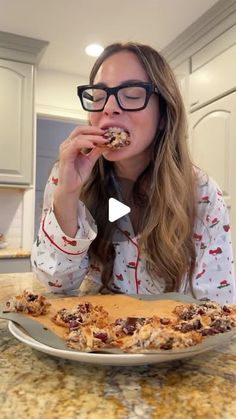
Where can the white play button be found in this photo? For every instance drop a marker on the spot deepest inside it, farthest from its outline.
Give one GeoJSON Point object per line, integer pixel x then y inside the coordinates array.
{"type": "Point", "coordinates": [116, 210]}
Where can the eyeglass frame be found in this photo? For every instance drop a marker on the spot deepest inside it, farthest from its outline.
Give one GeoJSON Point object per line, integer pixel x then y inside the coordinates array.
{"type": "Point", "coordinates": [148, 86]}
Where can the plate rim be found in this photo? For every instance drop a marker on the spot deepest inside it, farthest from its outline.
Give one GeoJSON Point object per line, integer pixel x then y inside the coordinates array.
{"type": "Point", "coordinates": [102, 358]}
{"type": "Point", "coordinates": [127, 359]}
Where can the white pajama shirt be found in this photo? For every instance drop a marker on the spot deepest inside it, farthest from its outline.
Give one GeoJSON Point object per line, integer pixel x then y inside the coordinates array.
{"type": "Point", "coordinates": [63, 265]}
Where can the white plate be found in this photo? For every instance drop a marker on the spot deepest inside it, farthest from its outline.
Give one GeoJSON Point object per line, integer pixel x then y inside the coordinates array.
{"type": "Point", "coordinates": [109, 359]}
{"type": "Point", "coordinates": [128, 359]}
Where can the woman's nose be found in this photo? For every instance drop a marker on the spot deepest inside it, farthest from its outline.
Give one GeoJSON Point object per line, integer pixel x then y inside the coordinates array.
{"type": "Point", "coordinates": [112, 106]}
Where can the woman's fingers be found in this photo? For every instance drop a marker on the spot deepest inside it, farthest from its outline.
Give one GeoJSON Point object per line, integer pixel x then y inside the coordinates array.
{"type": "Point", "coordinates": [83, 141]}
{"type": "Point", "coordinates": [94, 155]}
{"type": "Point", "coordinates": [95, 140]}
{"type": "Point", "coordinates": [86, 130]}
{"type": "Point", "coordinates": [78, 154]}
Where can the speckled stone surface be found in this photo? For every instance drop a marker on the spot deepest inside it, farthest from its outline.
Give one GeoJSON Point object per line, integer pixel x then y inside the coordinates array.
{"type": "Point", "coordinates": [38, 386]}
{"type": "Point", "coordinates": [14, 253]}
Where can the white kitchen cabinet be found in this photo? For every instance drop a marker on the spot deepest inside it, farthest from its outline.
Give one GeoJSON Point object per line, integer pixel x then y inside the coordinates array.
{"type": "Point", "coordinates": [16, 122]}
{"type": "Point", "coordinates": [213, 147]}
{"type": "Point", "coordinates": [182, 76]}
{"type": "Point", "coordinates": [213, 80]}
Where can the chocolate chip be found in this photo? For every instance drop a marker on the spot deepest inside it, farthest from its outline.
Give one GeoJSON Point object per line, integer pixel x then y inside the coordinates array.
{"type": "Point", "coordinates": [164, 321]}
{"type": "Point", "coordinates": [132, 324]}
{"type": "Point", "coordinates": [226, 309]}
{"type": "Point", "coordinates": [168, 344]}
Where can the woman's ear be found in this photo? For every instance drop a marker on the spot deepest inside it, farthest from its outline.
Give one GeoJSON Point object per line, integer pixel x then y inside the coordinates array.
{"type": "Point", "coordinates": [161, 123]}
{"type": "Point", "coordinates": [163, 115]}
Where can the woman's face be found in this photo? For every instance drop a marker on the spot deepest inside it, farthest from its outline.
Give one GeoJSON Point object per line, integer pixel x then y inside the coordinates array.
{"type": "Point", "coordinates": [123, 67]}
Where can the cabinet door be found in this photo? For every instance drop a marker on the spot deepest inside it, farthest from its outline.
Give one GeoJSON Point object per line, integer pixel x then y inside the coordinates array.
{"type": "Point", "coordinates": [16, 122]}
{"type": "Point", "coordinates": [213, 148]}
{"type": "Point", "coordinates": [182, 76]}
{"type": "Point", "coordinates": [214, 79]}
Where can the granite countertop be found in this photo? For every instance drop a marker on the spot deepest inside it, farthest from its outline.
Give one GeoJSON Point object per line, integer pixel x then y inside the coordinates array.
{"type": "Point", "coordinates": [14, 253]}
{"type": "Point", "coordinates": [36, 385]}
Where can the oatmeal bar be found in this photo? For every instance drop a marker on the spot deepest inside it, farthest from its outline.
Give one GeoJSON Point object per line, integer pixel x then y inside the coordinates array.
{"type": "Point", "coordinates": [81, 315]}
{"type": "Point", "coordinates": [28, 303]}
{"type": "Point", "coordinates": [117, 137]}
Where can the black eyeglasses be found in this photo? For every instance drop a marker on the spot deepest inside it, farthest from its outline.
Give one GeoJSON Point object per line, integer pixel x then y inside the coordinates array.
{"type": "Point", "coordinates": [129, 96]}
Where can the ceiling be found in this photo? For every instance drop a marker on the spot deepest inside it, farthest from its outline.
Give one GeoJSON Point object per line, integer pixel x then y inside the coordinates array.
{"type": "Point", "coordinates": [69, 25]}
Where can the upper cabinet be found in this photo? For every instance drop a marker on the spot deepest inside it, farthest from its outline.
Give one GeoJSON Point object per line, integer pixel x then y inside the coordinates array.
{"type": "Point", "coordinates": [16, 122]}
{"type": "Point", "coordinates": [18, 58]}
{"type": "Point", "coordinates": [204, 56]}
{"type": "Point", "coordinates": [213, 70]}
{"type": "Point", "coordinates": [182, 76]}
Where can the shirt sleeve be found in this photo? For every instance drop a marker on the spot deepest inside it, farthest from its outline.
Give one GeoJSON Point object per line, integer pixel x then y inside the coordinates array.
{"type": "Point", "coordinates": [61, 262]}
{"type": "Point", "coordinates": [214, 276]}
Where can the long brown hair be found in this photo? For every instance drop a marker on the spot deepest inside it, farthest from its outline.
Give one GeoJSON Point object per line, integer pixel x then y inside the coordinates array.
{"type": "Point", "coordinates": [169, 209]}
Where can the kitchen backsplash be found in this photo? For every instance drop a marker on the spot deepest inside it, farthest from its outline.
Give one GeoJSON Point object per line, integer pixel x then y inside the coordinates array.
{"type": "Point", "coordinates": [11, 216]}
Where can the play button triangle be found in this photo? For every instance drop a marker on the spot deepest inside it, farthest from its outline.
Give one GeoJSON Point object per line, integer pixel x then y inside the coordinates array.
{"type": "Point", "coordinates": [116, 209]}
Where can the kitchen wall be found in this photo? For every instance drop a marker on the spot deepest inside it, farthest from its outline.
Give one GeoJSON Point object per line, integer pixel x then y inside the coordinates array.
{"type": "Point", "coordinates": [11, 204]}
{"type": "Point", "coordinates": [55, 94]}
{"type": "Point", "coordinates": [55, 97]}
{"type": "Point", "coordinates": [50, 134]}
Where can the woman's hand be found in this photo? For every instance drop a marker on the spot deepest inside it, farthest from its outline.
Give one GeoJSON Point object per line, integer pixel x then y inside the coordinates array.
{"type": "Point", "coordinates": [75, 167]}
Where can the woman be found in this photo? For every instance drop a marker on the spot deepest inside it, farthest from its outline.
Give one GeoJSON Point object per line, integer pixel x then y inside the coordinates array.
{"type": "Point", "coordinates": [176, 237]}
